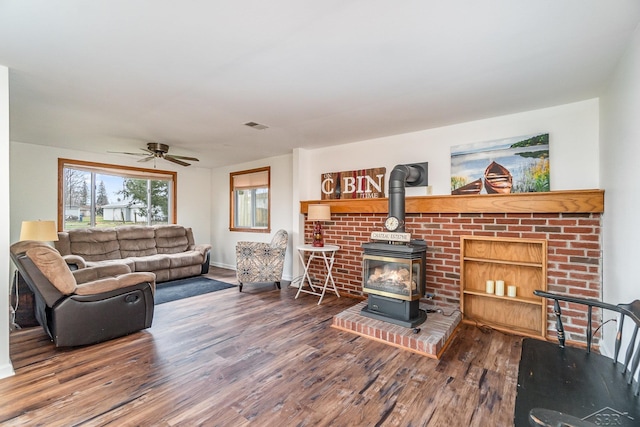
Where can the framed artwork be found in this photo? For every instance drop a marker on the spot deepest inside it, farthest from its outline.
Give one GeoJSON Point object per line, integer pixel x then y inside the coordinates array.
{"type": "Point", "coordinates": [511, 165]}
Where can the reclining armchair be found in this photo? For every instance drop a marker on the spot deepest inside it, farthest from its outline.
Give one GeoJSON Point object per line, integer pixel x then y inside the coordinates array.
{"type": "Point", "coordinates": [88, 305]}
{"type": "Point", "coordinates": [261, 262]}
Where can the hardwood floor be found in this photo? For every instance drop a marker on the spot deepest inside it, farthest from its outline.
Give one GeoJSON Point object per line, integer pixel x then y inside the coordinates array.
{"type": "Point", "coordinates": [261, 358]}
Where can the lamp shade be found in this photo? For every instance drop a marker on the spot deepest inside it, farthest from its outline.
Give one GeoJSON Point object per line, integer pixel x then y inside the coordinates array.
{"type": "Point", "coordinates": [319, 213]}
{"type": "Point", "coordinates": [42, 231]}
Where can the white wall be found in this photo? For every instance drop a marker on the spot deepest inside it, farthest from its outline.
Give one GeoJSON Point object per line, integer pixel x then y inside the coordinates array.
{"type": "Point", "coordinates": [39, 164]}
{"type": "Point", "coordinates": [224, 241]}
{"type": "Point", "coordinates": [6, 369]}
{"type": "Point", "coordinates": [573, 146]}
{"type": "Point", "coordinates": [620, 151]}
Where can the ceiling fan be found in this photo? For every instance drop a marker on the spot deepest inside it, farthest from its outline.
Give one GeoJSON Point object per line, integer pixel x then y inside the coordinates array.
{"type": "Point", "coordinates": [156, 150]}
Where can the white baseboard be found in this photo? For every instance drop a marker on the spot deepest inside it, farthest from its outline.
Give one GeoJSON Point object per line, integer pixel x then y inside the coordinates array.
{"type": "Point", "coordinates": [6, 371]}
{"type": "Point", "coordinates": [221, 265]}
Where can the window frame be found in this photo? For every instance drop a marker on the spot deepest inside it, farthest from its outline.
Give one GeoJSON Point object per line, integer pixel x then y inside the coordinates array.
{"type": "Point", "coordinates": [232, 201]}
{"type": "Point", "coordinates": [111, 169]}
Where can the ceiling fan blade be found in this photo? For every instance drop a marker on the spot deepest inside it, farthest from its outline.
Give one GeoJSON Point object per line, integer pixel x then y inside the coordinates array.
{"type": "Point", "coordinates": [154, 150]}
{"type": "Point", "coordinates": [131, 154]}
{"type": "Point", "coordinates": [174, 160]}
{"type": "Point", "coordinates": [181, 157]}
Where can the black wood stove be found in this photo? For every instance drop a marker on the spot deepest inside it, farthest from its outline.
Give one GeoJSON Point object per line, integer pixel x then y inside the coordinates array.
{"type": "Point", "coordinates": [394, 265]}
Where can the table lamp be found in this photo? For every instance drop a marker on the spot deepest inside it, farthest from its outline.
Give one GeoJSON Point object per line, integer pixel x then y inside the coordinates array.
{"type": "Point", "coordinates": [318, 213]}
{"type": "Point", "coordinates": [42, 231]}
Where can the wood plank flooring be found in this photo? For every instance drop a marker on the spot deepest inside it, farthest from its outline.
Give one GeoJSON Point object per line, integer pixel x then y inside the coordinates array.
{"type": "Point", "coordinates": [261, 358]}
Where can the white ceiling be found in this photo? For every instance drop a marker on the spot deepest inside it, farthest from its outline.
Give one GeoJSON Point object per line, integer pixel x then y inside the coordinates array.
{"type": "Point", "coordinates": [112, 75]}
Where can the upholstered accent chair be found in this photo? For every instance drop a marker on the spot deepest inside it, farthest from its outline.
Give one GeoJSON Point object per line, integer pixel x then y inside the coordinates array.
{"type": "Point", "coordinates": [87, 305]}
{"type": "Point", "coordinates": [258, 262]}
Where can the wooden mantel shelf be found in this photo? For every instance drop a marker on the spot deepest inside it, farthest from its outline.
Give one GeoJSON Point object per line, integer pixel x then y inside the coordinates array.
{"type": "Point", "coordinates": [575, 201]}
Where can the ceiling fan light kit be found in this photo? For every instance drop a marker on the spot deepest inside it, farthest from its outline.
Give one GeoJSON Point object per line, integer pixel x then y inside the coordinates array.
{"type": "Point", "coordinates": [156, 150]}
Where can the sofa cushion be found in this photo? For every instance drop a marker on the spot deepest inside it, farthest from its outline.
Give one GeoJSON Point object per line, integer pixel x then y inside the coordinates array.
{"type": "Point", "coordinates": [150, 263]}
{"type": "Point", "coordinates": [185, 258]}
{"type": "Point", "coordinates": [127, 262]}
{"type": "Point", "coordinates": [171, 239]}
{"type": "Point", "coordinates": [89, 274]}
{"type": "Point", "coordinates": [95, 244]}
{"type": "Point", "coordinates": [136, 240]}
{"type": "Point", "coordinates": [55, 269]}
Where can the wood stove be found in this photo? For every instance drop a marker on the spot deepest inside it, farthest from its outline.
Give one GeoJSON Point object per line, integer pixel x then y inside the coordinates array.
{"type": "Point", "coordinates": [393, 265]}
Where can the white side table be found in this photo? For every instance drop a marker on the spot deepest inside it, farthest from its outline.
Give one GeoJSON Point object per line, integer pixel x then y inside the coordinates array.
{"type": "Point", "coordinates": [328, 255]}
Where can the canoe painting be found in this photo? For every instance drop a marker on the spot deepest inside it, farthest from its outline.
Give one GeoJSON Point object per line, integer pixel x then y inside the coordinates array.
{"type": "Point", "coordinates": [497, 179]}
{"type": "Point", "coordinates": [517, 164]}
{"type": "Point", "coordinates": [472, 188]}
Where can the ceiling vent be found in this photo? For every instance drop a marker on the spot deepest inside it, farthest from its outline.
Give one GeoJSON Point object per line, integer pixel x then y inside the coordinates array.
{"type": "Point", "coordinates": [257, 126]}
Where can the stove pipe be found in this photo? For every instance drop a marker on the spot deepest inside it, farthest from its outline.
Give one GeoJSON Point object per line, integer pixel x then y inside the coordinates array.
{"type": "Point", "coordinates": [404, 175]}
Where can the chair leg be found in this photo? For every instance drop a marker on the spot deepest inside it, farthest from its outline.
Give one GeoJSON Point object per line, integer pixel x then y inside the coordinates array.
{"type": "Point", "coordinates": [278, 285]}
{"type": "Point", "coordinates": [240, 287]}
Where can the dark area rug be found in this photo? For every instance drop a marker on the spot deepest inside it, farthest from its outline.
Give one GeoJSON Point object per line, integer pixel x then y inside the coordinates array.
{"type": "Point", "coordinates": [185, 288]}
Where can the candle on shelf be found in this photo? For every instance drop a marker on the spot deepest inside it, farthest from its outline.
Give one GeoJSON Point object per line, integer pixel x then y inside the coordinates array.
{"type": "Point", "coordinates": [511, 291]}
{"type": "Point", "coordinates": [489, 286]}
{"type": "Point", "coordinates": [500, 288]}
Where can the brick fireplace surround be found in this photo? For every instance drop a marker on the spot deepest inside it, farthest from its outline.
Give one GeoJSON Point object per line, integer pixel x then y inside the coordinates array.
{"type": "Point", "coordinates": [570, 221]}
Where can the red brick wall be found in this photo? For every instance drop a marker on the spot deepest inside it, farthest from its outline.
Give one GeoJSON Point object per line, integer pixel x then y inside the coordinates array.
{"type": "Point", "coordinates": [574, 258]}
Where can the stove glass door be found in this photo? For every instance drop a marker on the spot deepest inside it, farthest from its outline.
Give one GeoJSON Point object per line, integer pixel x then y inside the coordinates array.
{"type": "Point", "coordinates": [392, 277]}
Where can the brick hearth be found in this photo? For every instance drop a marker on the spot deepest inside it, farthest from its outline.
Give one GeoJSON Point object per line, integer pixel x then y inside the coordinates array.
{"type": "Point", "coordinates": [430, 340]}
{"type": "Point", "coordinates": [574, 259]}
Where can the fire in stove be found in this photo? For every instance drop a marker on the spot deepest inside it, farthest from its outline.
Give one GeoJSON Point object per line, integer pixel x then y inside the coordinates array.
{"type": "Point", "coordinates": [396, 280]}
{"type": "Point", "coordinates": [392, 277]}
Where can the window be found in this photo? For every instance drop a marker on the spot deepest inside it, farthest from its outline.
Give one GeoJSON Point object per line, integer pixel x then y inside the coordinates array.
{"type": "Point", "coordinates": [103, 195]}
{"type": "Point", "coordinates": [250, 200]}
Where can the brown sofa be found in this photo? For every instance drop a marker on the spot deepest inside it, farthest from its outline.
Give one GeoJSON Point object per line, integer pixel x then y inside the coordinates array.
{"type": "Point", "coordinates": [169, 251]}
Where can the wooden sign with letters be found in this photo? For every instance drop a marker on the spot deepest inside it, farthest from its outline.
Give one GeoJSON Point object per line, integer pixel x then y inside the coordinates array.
{"type": "Point", "coordinates": [356, 184]}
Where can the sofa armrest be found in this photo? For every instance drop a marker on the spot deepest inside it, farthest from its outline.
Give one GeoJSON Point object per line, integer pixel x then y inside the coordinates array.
{"type": "Point", "coordinates": [75, 262]}
{"type": "Point", "coordinates": [90, 274]}
{"type": "Point", "coordinates": [203, 248]}
{"type": "Point", "coordinates": [112, 283]}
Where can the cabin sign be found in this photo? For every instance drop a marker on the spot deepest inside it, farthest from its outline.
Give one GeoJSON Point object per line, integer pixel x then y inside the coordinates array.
{"type": "Point", "coordinates": [356, 184]}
